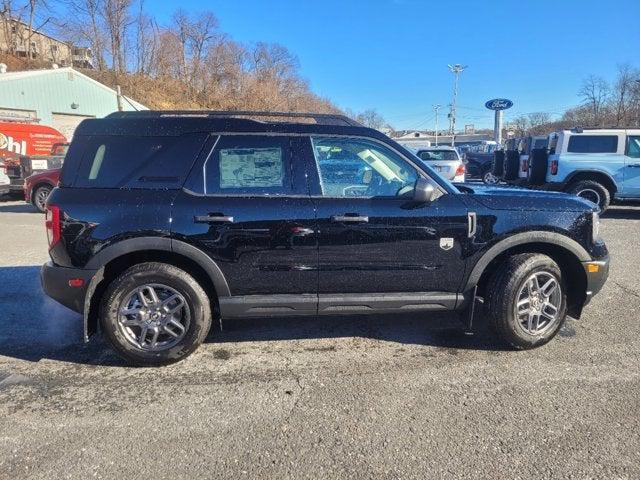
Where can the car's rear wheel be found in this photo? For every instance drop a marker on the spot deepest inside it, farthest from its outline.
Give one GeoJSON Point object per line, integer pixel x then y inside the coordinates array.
{"type": "Point", "coordinates": [40, 197]}
{"type": "Point", "coordinates": [593, 191]}
{"type": "Point", "coordinates": [155, 314]}
{"type": "Point", "coordinates": [526, 303]}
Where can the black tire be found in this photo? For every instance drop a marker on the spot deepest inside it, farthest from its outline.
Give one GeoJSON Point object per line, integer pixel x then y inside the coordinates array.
{"type": "Point", "coordinates": [593, 191]}
{"type": "Point", "coordinates": [498, 164]}
{"type": "Point", "coordinates": [538, 163]}
{"type": "Point", "coordinates": [502, 297]}
{"type": "Point", "coordinates": [511, 165]}
{"type": "Point", "coordinates": [196, 302]}
{"type": "Point", "coordinates": [39, 197]}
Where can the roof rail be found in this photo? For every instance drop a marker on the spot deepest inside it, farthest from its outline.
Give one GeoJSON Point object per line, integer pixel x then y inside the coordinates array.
{"type": "Point", "coordinates": [319, 118]}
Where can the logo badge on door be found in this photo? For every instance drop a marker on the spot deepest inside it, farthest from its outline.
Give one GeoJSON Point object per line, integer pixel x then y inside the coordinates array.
{"type": "Point", "coordinates": [446, 243]}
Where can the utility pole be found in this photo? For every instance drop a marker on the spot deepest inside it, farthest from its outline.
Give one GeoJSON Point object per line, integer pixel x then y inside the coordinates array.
{"type": "Point", "coordinates": [436, 108]}
{"type": "Point", "coordinates": [456, 69]}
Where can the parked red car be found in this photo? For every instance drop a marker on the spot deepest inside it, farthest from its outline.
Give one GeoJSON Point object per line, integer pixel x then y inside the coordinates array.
{"type": "Point", "coordinates": [38, 186]}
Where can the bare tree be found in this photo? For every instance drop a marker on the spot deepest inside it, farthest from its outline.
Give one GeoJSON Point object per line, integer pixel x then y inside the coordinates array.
{"type": "Point", "coordinates": [622, 95]}
{"type": "Point", "coordinates": [371, 118]}
{"type": "Point", "coordinates": [116, 14]}
{"type": "Point", "coordinates": [595, 93]}
{"type": "Point", "coordinates": [85, 25]}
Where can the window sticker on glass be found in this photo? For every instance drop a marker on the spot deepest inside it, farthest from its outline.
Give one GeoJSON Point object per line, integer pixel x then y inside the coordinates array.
{"type": "Point", "coordinates": [251, 167]}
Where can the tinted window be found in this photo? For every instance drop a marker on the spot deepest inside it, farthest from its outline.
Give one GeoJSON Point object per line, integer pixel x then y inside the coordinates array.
{"type": "Point", "coordinates": [633, 148]}
{"type": "Point", "coordinates": [351, 167]}
{"type": "Point", "coordinates": [437, 155]}
{"type": "Point", "coordinates": [249, 165]}
{"type": "Point", "coordinates": [593, 144]}
{"type": "Point", "coordinates": [138, 162]}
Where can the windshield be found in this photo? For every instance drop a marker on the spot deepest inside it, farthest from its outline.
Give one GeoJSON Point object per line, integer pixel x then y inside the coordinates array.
{"type": "Point", "coordinates": [429, 155]}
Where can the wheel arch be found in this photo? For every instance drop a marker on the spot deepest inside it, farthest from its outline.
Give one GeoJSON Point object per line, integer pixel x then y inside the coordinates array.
{"type": "Point", "coordinates": [113, 260]}
{"type": "Point", "coordinates": [42, 183]}
{"type": "Point", "coordinates": [567, 253]}
{"type": "Point", "coordinates": [596, 175]}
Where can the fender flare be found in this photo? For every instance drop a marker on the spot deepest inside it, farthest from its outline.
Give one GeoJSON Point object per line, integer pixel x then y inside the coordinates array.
{"type": "Point", "coordinates": [166, 244]}
{"type": "Point", "coordinates": [571, 177]}
{"type": "Point", "coordinates": [549, 238]}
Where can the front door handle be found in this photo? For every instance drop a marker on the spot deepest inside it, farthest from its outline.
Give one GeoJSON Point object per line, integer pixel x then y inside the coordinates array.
{"type": "Point", "coordinates": [350, 219]}
{"type": "Point", "coordinates": [634, 165]}
{"type": "Point", "coordinates": [213, 218]}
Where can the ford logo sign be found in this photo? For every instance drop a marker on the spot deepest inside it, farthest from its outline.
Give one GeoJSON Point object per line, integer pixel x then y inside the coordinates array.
{"type": "Point", "coordinates": [499, 104]}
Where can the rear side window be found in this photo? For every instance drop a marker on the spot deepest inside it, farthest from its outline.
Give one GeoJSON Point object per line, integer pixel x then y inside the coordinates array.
{"type": "Point", "coordinates": [249, 164]}
{"type": "Point", "coordinates": [593, 144]}
{"type": "Point", "coordinates": [138, 162]}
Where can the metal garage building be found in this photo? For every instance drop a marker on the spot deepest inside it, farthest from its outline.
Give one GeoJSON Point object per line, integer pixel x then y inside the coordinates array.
{"type": "Point", "coordinates": [60, 98]}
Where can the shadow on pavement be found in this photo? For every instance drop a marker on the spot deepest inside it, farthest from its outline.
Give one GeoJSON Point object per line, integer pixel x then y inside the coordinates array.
{"type": "Point", "coordinates": [34, 327]}
{"type": "Point", "coordinates": [622, 213]}
{"type": "Point", "coordinates": [18, 208]}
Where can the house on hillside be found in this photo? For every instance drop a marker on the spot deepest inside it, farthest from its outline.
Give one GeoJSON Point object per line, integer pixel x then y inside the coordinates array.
{"type": "Point", "coordinates": [60, 98]}
{"type": "Point", "coordinates": [15, 40]}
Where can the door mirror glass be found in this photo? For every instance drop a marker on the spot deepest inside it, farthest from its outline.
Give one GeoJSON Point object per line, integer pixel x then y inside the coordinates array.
{"type": "Point", "coordinates": [425, 191]}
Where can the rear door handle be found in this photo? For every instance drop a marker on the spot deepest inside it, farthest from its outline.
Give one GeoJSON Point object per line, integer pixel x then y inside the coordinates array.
{"type": "Point", "coordinates": [213, 219]}
{"type": "Point", "coordinates": [350, 219]}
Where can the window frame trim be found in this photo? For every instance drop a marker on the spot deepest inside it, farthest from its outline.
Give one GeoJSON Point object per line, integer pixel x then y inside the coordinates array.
{"type": "Point", "coordinates": [309, 136]}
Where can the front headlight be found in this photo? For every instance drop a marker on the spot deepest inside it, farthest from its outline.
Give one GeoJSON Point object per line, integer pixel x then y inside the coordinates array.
{"type": "Point", "coordinates": [595, 227]}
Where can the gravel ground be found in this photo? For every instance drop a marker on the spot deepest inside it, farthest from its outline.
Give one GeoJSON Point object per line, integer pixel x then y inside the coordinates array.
{"type": "Point", "coordinates": [381, 397]}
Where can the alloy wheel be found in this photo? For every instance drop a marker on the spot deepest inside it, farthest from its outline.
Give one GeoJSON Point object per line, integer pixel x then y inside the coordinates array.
{"type": "Point", "coordinates": [538, 303]}
{"type": "Point", "coordinates": [153, 317]}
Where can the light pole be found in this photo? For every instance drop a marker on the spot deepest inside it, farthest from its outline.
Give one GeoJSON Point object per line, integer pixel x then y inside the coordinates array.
{"type": "Point", "coordinates": [436, 108]}
{"type": "Point", "coordinates": [456, 69]}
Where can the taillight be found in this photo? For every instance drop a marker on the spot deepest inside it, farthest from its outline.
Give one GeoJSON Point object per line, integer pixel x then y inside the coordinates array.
{"type": "Point", "coordinates": [52, 223]}
{"type": "Point", "coordinates": [554, 167]}
{"type": "Point", "coordinates": [460, 170]}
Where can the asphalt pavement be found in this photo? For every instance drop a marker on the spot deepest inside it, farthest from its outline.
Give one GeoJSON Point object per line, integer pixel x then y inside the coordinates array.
{"type": "Point", "coordinates": [404, 396]}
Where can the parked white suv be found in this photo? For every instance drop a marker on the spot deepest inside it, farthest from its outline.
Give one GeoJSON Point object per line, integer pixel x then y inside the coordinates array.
{"type": "Point", "coordinates": [445, 160]}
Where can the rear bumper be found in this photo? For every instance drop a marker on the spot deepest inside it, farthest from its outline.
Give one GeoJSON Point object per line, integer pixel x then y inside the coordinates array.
{"type": "Point", "coordinates": [597, 272]}
{"type": "Point", "coordinates": [55, 283]}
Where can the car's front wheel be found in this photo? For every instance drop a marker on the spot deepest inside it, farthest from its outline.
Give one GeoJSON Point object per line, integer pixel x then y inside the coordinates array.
{"type": "Point", "coordinates": [40, 197]}
{"type": "Point", "coordinates": [155, 314]}
{"type": "Point", "coordinates": [526, 302]}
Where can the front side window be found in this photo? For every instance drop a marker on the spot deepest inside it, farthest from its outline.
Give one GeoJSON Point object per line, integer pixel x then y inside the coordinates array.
{"type": "Point", "coordinates": [248, 164]}
{"type": "Point", "coordinates": [633, 148]}
{"type": "Point", "coordinates": [351, 167]}
{"type": "Point", "coordinates": [593, 144]}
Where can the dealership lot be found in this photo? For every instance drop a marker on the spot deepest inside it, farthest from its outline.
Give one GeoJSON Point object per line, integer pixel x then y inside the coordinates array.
{"type": "Point", "coordinates": [383, 397]}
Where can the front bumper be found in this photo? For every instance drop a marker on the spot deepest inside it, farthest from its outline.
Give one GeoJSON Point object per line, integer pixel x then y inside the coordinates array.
{"type": "Point", "coordinates": [597, 272]}
{"type": "Point", "coordinates": [55, 283]}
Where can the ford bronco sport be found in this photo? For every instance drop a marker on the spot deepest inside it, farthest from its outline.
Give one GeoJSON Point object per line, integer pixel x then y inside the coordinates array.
{"type": "Point", "coordinates": [165, 221]}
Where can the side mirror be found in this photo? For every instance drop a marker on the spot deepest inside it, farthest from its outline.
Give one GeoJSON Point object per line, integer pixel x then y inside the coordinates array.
{"type": "Point", "coordinates": [424, 191]}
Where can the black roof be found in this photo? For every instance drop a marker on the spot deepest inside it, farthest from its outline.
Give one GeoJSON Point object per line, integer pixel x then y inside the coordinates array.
{"type": "Point", "coordinates": [171, 123]}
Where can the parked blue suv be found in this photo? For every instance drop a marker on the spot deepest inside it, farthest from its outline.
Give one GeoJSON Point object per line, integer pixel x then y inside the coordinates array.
{"type": "Point", "coordinates": [598, 165]}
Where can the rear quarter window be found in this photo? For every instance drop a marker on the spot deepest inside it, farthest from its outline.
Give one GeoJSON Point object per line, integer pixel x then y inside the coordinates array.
{"type": "Point", "coordinates": [593, 144]}
{"type": "Point", "coordinates": [137, 161]}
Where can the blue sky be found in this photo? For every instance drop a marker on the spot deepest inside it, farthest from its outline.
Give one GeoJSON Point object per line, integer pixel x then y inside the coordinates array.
{"type": "Point", "coordinates": [392, 55]}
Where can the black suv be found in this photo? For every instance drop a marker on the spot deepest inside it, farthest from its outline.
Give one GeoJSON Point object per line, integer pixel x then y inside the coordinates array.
{"type": "Point", "coordinates": [164, 221]}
